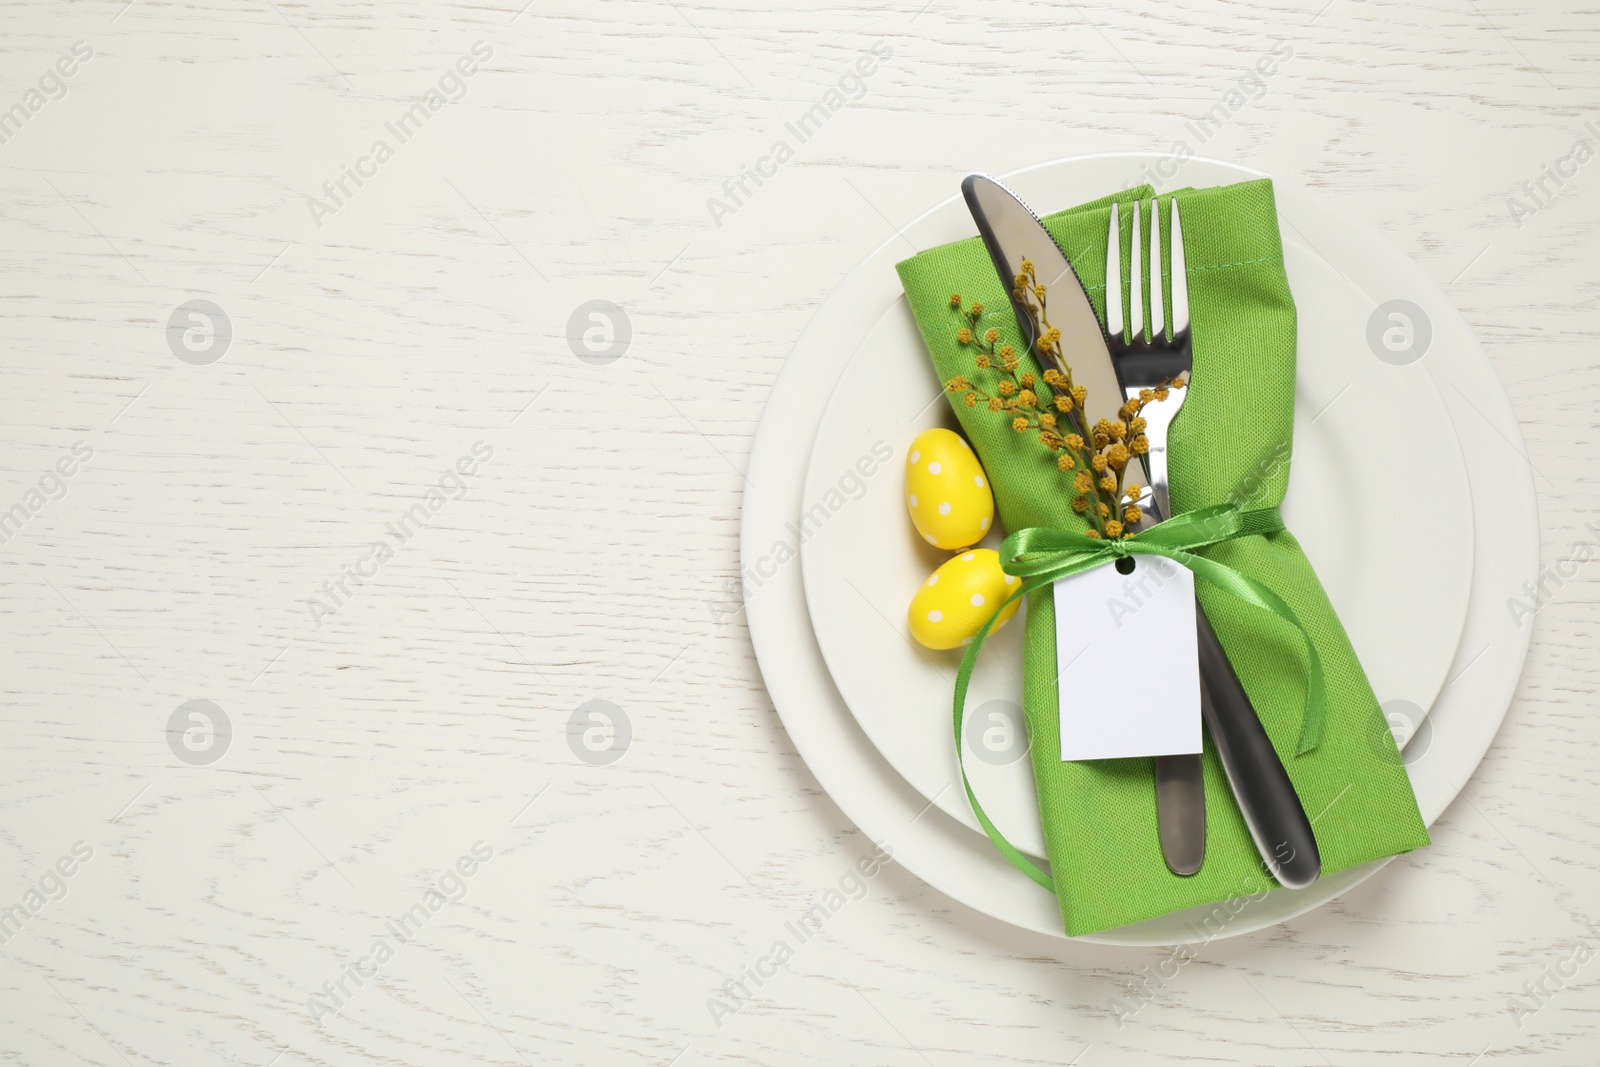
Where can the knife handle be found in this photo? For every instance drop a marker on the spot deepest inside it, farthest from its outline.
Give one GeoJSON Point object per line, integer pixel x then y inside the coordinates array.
{"type": "Point", "coordinates": [1266, 797]}
{"type": "Point", "coordinates": [1181, 812]}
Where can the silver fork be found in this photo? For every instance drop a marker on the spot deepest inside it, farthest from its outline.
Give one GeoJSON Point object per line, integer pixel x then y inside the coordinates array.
{"type": "Point", "coordinates": [1148, 354]}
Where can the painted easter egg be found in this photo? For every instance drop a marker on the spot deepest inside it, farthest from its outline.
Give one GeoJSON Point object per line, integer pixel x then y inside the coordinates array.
{"type": "Point", "coordinates": [958, 598]}
{"type": "Point", "coordinates": [947, 493]}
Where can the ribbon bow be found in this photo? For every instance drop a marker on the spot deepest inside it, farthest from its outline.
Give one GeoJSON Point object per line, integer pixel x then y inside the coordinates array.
{"type": "Point", "coordinates": [1041, 556]}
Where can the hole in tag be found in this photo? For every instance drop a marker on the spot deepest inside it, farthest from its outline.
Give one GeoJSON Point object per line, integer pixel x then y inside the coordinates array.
{"type": "Point", "coordinates": [1124, 565]}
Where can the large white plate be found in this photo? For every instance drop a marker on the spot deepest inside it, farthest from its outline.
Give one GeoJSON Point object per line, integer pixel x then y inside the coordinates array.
{"type": "Point", "coordinates": [942, 851]}
{"type": "Point", "coordinates": [1404, 615]}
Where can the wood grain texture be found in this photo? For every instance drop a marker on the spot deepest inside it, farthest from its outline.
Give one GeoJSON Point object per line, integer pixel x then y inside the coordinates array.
{"type": "Point", "coordinates": [429, 712]}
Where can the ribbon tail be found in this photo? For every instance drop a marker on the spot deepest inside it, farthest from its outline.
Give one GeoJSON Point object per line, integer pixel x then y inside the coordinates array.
{"type": "Point", "coordinates": [964, 678]}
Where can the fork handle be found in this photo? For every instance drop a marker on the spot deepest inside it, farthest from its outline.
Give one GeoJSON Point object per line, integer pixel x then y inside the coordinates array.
{"type": "Point", "coordinates": [1266, 796]}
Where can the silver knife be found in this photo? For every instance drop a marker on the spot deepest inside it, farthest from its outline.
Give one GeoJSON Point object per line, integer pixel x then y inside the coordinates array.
{"type": "Point", "coordinates": [1266, 797]}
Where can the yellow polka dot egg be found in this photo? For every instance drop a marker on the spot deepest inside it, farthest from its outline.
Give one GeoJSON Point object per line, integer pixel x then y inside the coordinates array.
{"type": "Point", "coordinates": [958, 598]}
{"type": "Point", "coordinates": [946, 491]}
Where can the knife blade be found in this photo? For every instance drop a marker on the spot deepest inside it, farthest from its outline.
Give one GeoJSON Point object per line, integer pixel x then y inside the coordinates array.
{"type": "Point", "coordinates": [1266, 797]}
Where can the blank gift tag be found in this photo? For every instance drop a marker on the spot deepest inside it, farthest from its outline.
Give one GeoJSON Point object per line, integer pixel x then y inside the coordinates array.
{"type": "Point", "coordinates": [1130, 672]}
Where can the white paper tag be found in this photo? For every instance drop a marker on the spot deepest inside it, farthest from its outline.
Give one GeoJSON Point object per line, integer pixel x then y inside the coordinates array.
{"type": "Point", "coordinates": [1130, 673]}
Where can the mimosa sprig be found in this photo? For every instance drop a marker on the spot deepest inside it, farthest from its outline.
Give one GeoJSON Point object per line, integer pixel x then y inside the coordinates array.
{"type": "Point", "coordinates": [1051, 408]}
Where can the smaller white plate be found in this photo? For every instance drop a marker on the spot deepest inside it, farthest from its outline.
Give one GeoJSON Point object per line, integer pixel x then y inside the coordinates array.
{"type": "Point", "coordinates": [1347, 507]}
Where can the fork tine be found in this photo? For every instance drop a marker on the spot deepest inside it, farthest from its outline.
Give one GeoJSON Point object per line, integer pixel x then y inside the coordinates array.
{"type": "Point", "coordinates": [1114, 276]}
{"type": "Point", "coordinates": [1136, 282]}
{"type": "Point", "coordinates": [1180, 277]}
{"type": "Point", "coordinates": [1157, 294]}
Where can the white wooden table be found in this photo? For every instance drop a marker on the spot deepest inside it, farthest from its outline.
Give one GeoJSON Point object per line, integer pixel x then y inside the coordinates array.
{"type": "Point", "coordinates": [253, 886]}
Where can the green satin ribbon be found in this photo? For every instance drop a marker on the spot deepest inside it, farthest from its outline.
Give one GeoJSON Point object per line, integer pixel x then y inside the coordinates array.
{"type": "Point", "coordinates": [1042, 556]}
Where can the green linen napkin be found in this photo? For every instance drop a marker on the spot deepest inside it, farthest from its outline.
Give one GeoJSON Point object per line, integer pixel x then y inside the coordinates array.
{"type": "Point", "coordinates": [1231, 445]}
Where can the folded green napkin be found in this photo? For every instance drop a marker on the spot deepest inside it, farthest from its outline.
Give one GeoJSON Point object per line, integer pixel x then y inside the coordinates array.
{"type": "Point", "coordinates": [1231, 445]}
